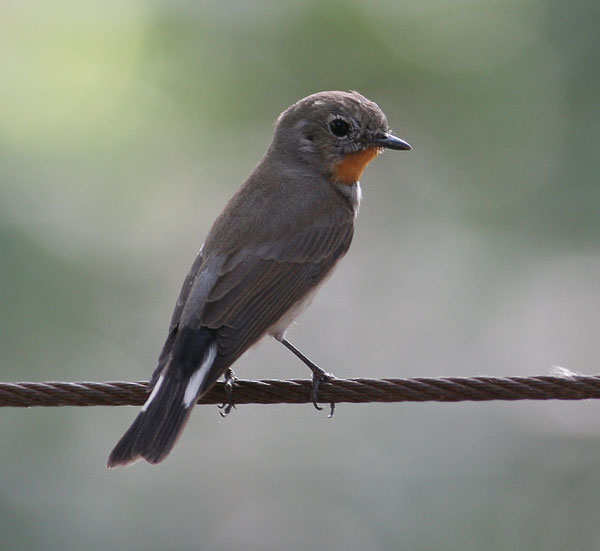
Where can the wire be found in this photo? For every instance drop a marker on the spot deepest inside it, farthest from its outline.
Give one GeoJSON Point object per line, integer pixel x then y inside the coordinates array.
{"type": "Point", "coordinates": [297, 391]}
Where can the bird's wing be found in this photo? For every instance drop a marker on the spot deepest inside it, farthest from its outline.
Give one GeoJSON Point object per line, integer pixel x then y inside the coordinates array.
{"type": "Point", "coordinates": [256, 287]}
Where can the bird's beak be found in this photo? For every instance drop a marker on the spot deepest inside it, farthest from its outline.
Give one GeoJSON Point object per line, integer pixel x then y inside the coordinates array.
{"type": "Point", "coordinates": [389, 141]}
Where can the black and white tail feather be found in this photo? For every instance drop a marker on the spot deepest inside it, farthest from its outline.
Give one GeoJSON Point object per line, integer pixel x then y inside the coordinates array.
{"type": "Point", "coordinates": [186, 375]}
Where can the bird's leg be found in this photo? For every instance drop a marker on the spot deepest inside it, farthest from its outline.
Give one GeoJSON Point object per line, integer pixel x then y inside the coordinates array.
{"type": "Point", "coordinates": [318, 377]}
{"type": "Point", "coordinates": [230, 379]}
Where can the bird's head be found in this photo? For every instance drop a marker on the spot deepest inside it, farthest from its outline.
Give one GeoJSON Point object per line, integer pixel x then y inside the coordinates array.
{"type": "Point", "coordinates": [336, 133]}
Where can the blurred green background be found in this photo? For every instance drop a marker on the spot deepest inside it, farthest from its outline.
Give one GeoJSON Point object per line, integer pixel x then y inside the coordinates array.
{"type": "Point", "coordinates": [126, 126]}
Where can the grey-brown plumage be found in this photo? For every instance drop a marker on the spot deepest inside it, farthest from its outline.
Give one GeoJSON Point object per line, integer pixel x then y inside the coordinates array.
{"type": "Point", "coordinates": [276, 240]}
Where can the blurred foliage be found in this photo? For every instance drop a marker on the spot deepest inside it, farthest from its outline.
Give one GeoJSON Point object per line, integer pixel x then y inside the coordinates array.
{"type": "Point", "coordinates": [124, 128]}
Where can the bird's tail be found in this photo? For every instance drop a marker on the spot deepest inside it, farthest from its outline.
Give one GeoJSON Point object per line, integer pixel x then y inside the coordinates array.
{"type": "Point", "coordinates": [160, 422]}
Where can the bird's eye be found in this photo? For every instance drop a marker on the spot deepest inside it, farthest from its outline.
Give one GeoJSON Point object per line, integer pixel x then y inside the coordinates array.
{"type": "Point", "coordinates": [339, 127]}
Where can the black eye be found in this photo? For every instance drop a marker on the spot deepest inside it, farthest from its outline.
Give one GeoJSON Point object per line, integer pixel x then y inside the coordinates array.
{"type": "Point", "coordinates": [339, 127]}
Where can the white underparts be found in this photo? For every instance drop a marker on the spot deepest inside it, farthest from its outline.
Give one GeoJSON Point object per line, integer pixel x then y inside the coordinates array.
{"type": "Point", "coordinates": [196, 380]}
{"type": "Point", "coordinates": [153, 393]}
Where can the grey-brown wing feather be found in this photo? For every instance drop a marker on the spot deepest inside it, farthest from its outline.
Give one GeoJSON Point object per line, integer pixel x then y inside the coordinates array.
{"type": "Point", "coordinates": [254, 293]}
{"type": "Point", "coordinates": [253, 290]}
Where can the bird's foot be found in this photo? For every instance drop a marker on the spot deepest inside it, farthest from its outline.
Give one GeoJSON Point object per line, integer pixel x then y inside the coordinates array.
{"type": "Point", "coordinates": [230, 380]}
{"type": "Point", "coordinates": [320, 376]}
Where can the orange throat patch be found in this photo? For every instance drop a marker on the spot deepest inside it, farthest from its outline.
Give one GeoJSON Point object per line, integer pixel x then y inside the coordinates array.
{"type": "Point", "coordinates": [351, 168]}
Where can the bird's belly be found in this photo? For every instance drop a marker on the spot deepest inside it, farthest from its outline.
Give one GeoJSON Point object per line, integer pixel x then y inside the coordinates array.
{"type": "Point", "coordinates": [278, 329]}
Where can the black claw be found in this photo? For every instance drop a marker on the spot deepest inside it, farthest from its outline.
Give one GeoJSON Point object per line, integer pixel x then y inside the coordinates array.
{"type": "Point", "coordinates": [230, 380]}
{"type": "Point", "coordinates": [225, 409]}
{"type": "Point", "coordinates": [314, 390]}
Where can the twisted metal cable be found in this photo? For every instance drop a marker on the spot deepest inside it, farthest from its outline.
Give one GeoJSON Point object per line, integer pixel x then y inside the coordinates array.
{"type": "Point", "coordinates": [297, 391]}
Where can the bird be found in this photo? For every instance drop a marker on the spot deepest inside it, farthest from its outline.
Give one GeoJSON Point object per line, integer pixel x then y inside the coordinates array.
{"type": "Point", "coordinates": [275, 243]}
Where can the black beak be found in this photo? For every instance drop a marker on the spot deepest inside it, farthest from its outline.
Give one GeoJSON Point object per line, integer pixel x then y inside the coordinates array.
{"type": "Point", "coordinates": [389, 141]}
